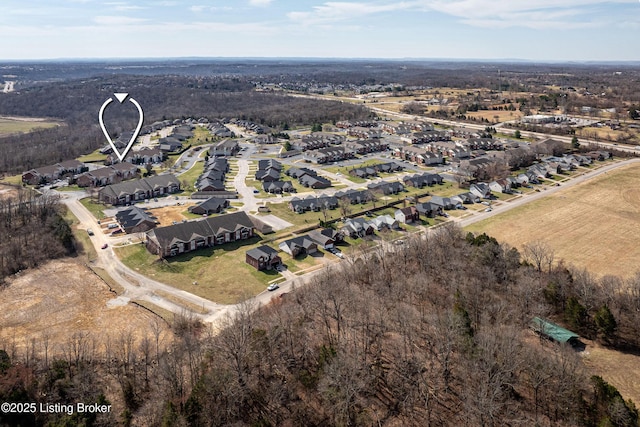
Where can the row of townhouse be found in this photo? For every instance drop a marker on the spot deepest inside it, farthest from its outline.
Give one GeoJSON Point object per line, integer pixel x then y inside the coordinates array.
{"type": "Point", "coordinates": [348, 124]}
{"type": "Point", "coordinates": [486, 144]}
{"type": "Point", "coordinates": [213, 175]}
{"type": "Point", "coordinates": [139, 189]}
{"type": "Point", "coordinates": [174, 141]}
{"type": "Point", "coordinates": [367, 146]}
{"type": "Point", "coordinates": [108, 175]}
{"type": "Point", "coordinates": [429, 136]}
{"type": "Point", "coordinates": [418, 155]}
{"type": "Point", "coordinates": [423, 180]}
{"type": "Point", "coordinates": [313, 203]}
{"type": "Point", "coordinates": [139, 157]}
{"type": "Point", "coordinates": [373, 170]}
{"type": "Point", "coordinates": [189, 236]}
{"type": "Point", "coordinates": [328, 155]}
{"type": "Point", "coordinates": [308, 178]}
{"type": "Point", "coordinates": [226, 148]}
{"type": "Point", "coordinates": [48, 174]}
{"type": "Point", "coordinates": [364, 133]}
{"type": "Point", "coordinates": [251, 126]}
{"type": "Point", "coordinates": [316, 141]}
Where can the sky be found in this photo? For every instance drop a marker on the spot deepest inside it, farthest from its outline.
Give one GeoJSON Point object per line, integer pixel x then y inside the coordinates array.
{"type": "Point", "coordinates": [538, 30]}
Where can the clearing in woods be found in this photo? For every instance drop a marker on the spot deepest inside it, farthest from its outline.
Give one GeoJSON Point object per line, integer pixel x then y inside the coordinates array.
{"type": "Point", "coordinates": [622, 370]}
{"type": "Point", "coordinates": [63, 298]}
{"type": "Point", "coordinates": [13, 125]}
{"type": "Point", "coordinates": [595, 225]}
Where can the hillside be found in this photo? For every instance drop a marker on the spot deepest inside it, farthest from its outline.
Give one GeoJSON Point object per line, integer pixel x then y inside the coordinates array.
{"type": "Point", "coordinates": [434, 333]}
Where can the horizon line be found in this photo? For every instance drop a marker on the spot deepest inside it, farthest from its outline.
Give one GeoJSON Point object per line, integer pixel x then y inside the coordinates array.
{"type": "Point", "coordinates": [313, 58]}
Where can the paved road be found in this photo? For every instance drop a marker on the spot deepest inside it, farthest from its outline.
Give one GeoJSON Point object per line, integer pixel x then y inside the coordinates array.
{"type": "Point", "coordinates": [137, 286]}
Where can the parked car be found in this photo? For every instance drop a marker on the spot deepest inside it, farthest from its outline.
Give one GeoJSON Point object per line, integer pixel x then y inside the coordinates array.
{"type": "Point", "coordinates": [272, 287]}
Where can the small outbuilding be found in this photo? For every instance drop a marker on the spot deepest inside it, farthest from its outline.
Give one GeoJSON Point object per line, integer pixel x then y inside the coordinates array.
{"type": "Point", "coordinates": [554, 332]}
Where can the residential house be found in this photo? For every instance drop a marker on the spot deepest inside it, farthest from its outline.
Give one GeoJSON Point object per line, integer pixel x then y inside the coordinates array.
{"type": "Point", "coordinates": [108, 175]}
{"type": "Point", "coordinates": [429, 209]}
{"type": "Point", "coordinates": [313, 203]}
{"type": "Point", "coordinates": [210, 206]}
{"type": "Point", "coordinates": [299, 246]}
{"type": "Point", "coordinates": [268, 175]}
{"type": "Point", "coordinates": [206, 184]}
{"type": "Point", "coordinates": [407, 215]}
{"type": "Point", "coordinates": [386, 188]}
{"type": "Point", "coordinates": [48, 174]}
{"type": "Point", "coordinates": [422, 180]}
{"type": "Point", "coordinates": [263, 258]}
{"type": "Point", "coordinates": [170, 144]}
{"type": "Point", "coordinates": [354, 196]}
{"type": "Point", "coordinates": [500, 186]}
{"type": "Point", "coordinates": [299, 172]}
{"type": "Point", "coordinates": [139, 189]}
{"type": "Point", "coordinates": [327, 155]}
{"type": "Point", "coordinates": [326, 237]}
{"type": "Point", "coordinates": [357, 227]}
{"type": "Point", "coordinates": [445, 203]}
{"type": "Point", "coordinates": [366, 146]}
{"type": "Point", "coordinates": [385, 222]}
{"type": "Point", "coordinates": [193, 235]}
{"type": "Point", "coordinates": [135, 220]}
{"type": "Point", "coordinates": [315, 182]}
{"type": "Point", "coordinates": [227, 148]}
{"type": "Point", "coordinates": [278, 187]}
{"type": "Point", "coordinates": [481, 189]}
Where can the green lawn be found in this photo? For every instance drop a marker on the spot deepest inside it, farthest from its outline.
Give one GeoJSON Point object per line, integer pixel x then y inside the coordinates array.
{"type": "Point", "coordinates": [94, 207]}
{"type": "Point", "coordinates": [201, 136]}
{"type": "Point", "coordinates": [13, 179]}
{"type": "Point", "coordinates": [86, 247]}
{"type": "Point", "coordinates": [191, 176]}
{"type": "Point", "coordinates": [221, 273]}
{"type": "Point", "coordinates": [10, 126]}
{"type": "Point", "coordinates": [94, 157]}
{"type": "Point", "coordinates": [303, 262]}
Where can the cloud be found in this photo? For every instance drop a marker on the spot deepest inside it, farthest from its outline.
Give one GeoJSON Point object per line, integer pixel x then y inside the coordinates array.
{"type": "Point", "coordinates": [480, 13]}
{"type": "Point", "coordinates": [260, 2]}
{"type": "Point", "coordinates": [114, 20]}
{"type": "Point", "coordinates": [340, 11]}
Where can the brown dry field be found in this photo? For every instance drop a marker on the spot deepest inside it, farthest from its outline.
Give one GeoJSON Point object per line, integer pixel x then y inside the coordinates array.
{"type": "Point", "coordinates": [8, 191]}
{"type": "Point", "coordinates": [503, 116]}
{"type": "Point", "coordinates": [168, 214]}
{"type": "Point", "coordinates": [619, 369]}
{"type": "Point", "coordinates": [595, 224]}
{"type": "Point", "coordinates": [60, 299]}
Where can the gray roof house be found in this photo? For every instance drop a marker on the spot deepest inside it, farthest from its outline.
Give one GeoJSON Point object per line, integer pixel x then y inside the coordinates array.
{"type": "Point", "coordinates": [299, 245]}
{"type": "Point", "coordinates": [193, 235]}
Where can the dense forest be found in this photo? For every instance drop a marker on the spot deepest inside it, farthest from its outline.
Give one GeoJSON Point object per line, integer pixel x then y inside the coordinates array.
{"type": "Point", "coordinates": [435, 333]}
{"type": "Point", "coordinates": [33, 230]}
{"type": "Point", "coordinates": [161, 97]}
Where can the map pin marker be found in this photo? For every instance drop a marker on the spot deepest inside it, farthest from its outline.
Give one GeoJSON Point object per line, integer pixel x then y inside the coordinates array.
{"type": "Point", "coordinates": [121, 98]}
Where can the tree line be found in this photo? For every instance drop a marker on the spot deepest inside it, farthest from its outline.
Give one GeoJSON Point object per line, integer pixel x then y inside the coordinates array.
{"type": "Point", "coordinates": [162, 97]}
{"type": "Point", "coordinates": [433, 333]}
{"type": "Point", "coordinates": [33, 230]}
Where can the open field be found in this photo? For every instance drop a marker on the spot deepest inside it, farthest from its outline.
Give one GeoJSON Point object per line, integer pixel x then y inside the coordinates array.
{"type": "Point", "coordinates": [96, 208]}
{"type": "Point", "coordinates": [60, 299]}
{"type": "Point", "coordinates": [621, 370]}
{"type": "Point", "coordinates": [219, 274]}
{"type": "Point", "coordinates": [594, 225]}
{"type": "Point", "coordinates": [13, 125]}
{"type": "Point", "coordinates": [168, 214]}
{"type": "Point", "coordinates": [8, 191]}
